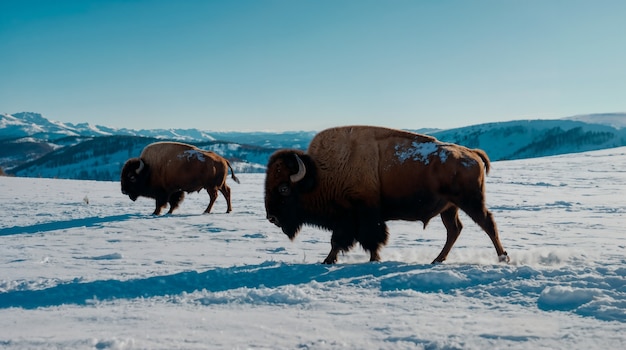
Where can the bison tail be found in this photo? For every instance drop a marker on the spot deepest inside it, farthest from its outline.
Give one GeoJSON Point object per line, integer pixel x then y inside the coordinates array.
{"type": "Point", "coordinates": [232, 172]}
{"type": "Point", "coordinates": [235, 178]}
{"type": "Point", "coordinates": [483, 155]}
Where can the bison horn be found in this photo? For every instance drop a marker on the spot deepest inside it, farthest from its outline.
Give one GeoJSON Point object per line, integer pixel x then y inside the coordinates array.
{"type": "Point", "coordinates": [301, 171]}
{"type": "Point", "coordinates": [141, 165]}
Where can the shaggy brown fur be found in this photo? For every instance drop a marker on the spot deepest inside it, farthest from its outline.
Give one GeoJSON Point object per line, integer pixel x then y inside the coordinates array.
{"type": "Point", "coordinates": [166, 170]}
{"type": "Point", "coordinates": [358, 177]}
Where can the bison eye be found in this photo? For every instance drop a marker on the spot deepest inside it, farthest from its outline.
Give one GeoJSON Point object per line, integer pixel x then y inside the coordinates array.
{"type": "Point", "coordinates": [284, 190]}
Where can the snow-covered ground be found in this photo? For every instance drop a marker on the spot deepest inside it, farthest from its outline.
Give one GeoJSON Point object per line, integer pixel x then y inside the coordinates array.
{"type": "Point", "coordinates": [83, 267]}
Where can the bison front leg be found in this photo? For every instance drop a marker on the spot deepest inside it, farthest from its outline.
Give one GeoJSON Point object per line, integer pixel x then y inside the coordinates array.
{"type": "Point", "coordinates": [341, 241]}
{"type": "Point", "coordinates": [372, 231]}
{"type": "Point", "coordinates": [175, 199]}
{"type": "Point", "coordinates": [161, 202]}
{"type": "Point", "coordinates": [332, 256]}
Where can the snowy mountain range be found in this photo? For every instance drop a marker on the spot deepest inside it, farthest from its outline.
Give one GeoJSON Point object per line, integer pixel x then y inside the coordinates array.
{"type": "Point", "coordinates": [34, 146]}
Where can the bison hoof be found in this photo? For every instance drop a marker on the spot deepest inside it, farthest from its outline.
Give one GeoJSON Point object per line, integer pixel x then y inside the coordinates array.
{"type": "Point", "coordinates": [374, 258]}
{"type": "Point", "coordinates": [329, 261]}
{"type": "Point", "coordinates": [504, 258]}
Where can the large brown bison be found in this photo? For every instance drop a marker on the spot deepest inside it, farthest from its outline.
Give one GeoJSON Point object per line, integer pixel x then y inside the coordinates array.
{"type": "Point", "coordinates": [166, 170]}
{"type": "Point", "coordinates": [353, 179]}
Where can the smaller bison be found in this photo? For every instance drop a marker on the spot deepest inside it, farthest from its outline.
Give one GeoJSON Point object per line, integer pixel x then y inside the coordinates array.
{"type": "Point", "coordinates": [166, 170]}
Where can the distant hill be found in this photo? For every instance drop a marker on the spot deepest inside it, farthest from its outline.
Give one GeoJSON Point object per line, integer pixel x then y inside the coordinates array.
{"type": "Point", "coordinates": [28, 124]}
{"type": "Point", "coordinates": [102, 158]}
{"type": "Point", "coordinates": [615, 120]}
{"type": "Point", "coordinates": [33, 146]}
{"type": "Point", "coordinates": [536, 138]}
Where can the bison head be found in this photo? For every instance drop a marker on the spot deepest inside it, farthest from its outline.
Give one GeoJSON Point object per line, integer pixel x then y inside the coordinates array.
{"type": "Point", "coordinates": [290, 175]}
{"type": "Point", "coordinates": [134, 178]}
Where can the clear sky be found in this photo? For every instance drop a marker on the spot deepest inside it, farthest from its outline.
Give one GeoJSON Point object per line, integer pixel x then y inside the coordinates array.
{"type": "Point", "coordinates": [306, 65]}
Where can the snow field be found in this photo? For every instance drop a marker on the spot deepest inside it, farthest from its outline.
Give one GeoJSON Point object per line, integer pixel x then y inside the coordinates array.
{"type": "Point", "coordinates": [82, 266]}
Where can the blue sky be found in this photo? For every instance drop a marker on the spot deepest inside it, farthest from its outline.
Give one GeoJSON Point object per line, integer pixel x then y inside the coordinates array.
{"type": "Point", "coordinates": [307, 65]}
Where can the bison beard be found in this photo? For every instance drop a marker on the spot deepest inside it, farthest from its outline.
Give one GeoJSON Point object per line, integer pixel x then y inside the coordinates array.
{"type": "Point", "coordinates": [435, 179]}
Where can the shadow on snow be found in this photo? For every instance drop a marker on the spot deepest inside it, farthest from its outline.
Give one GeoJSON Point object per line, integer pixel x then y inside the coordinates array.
{"type": "Point", "coordinates": [268, 274]}
{"type": "Point", "coordinates": [64, 225]}
{"type": "Point", "coordinates": [525, 284]}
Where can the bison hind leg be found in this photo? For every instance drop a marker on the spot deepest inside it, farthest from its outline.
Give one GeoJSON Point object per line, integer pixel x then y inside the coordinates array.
{"type": "Point", "coordinates": [212, 191]}
{"type": "Point", "coordinates": [475, 208]}
{"type": "Point", "coordinates": [226, 192]}
{"type": "Point", "coordinates": [450, 219]}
